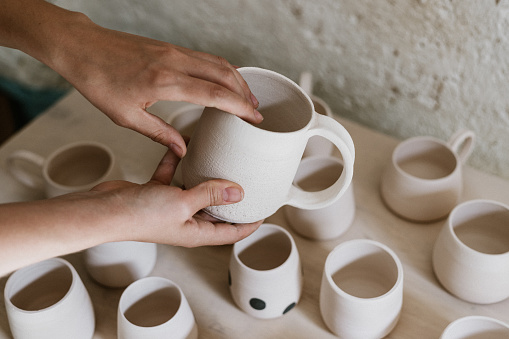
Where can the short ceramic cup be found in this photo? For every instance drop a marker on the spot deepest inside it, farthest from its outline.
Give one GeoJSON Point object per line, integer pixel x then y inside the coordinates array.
{"type": "Point", "coordinates": [423, 181]}
{"type": "Point", "coordinates": [317, 173]}
{"type": "Point", "coordinates": [264, 158]}
{"type": "Point", "coordinates": [316, 145]}
{"type": "Point", "coordinates": [471, 253]}
{"type": "Point", "coordinates": [476, 327]}
{"type": "Point", "coordinates": [361, 295]}
{"type": "Point", "coordinates": [75, 167]}
{"type": "Point", "coordinates": [155, 308]}
{"type": "Point", "coordinates": [48, 300]}
{"type": "Point", "coordinates": [265, 275]}
{"type": "Point", "coordinates": [118, 264]}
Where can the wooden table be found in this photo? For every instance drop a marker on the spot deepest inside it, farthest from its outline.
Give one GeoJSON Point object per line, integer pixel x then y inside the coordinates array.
{"type": "Point", "coordinates": [202, 272]}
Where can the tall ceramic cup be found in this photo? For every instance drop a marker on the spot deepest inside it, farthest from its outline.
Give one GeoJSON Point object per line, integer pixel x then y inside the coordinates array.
{"type": "Point", "coordinates": [48, 300]}
{"type": "Point", "coordinates": [263, 159]}
{"type": "Point", "coordinates": [476, 327]}
{"type": "Point", "coordinates": [471, 253]}
{"type": "Point", "coordinates": [361, 295]}
{"type": "Point", "coordinates": [74, 167]}
{"type": "Point", "coordinates": [423, 181]}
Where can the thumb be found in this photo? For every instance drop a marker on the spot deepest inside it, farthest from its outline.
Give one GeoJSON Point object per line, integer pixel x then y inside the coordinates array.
{"type": "Point", "coordinates": [214, 193]}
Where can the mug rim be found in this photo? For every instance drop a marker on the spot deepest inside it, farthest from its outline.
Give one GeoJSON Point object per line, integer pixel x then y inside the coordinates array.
{"type": "Point", "coordinates": [460, 320]}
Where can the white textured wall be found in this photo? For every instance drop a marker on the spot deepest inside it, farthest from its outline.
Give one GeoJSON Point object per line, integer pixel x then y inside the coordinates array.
{"type": "Point", "coordinates": [404, 67]}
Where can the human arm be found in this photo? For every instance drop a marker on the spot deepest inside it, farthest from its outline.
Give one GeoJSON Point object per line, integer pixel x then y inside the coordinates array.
{"type": "Point", "coordinates": [118, 211]}
{"type": "Point", "coordinates": [123, 74]}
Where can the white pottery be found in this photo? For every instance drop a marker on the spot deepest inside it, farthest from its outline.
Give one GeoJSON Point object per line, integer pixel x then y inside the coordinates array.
{"type": "Point", "coordinates": [265, 276]}
{"type": "Point", "coordinates": [423, 181]}
{"type": "Point", "coordinates": [118, 264]}
{"type": "Point", "coordinates": [155, 308]}
{"type": "Point", "coordinates": [48, 300]}
{"type": "Point", "coordinates": [74, 167]}
{"type": "Point", "coordinates": [471, 253]}
{"type": "Point", "coordinates": [476, 327]}
{"type": "Point", "coordinates": [316, 173]}
{"type": "Point", "coordinates": [317, 145]}
{"type": "Point", "coordinates": [361, 295]}
{"type": "Point", "coordinates": [263, 159]}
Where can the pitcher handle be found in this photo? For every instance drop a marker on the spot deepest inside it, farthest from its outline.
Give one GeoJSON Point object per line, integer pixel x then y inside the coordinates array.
{"type": "Point", "coordinates": [462, 143]}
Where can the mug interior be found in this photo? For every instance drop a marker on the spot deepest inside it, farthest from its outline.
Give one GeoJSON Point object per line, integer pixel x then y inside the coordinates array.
{"type": "Point", "coordinates": [425, 159]}
{"type": "Point", "coordinates": [80, 165]}
{"type": "Point", "coordinates": [482, 226]}
{"type": "Point", "coordinates": [284, 106]}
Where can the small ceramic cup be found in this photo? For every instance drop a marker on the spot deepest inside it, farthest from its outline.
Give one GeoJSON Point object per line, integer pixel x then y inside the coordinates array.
{"type": "Point", "coordinates": [265, 275]}
{"type": "Point", "coordinates": [471, 253]}
{"type": "Point", "coordinates": [155, 308]}
{"type": "Point", "coordinates": [361, 295]}
{"type": "Point", "coordinates": [317, 173]}
{"type": "Point", "coordinates": [48, 300]}
{"type": "Point", "coordinates": [316, 145]}
{"type": "Point", "coordinates": [476, 327]}
{"type": "Point", "coordinates": [264, 158]}
{"type": "Point", "coordinates": [423, 181]}
{"type": "Point", "coordinates": [75, 167]}
{"type": "Point", "coordinates": [118, 264]}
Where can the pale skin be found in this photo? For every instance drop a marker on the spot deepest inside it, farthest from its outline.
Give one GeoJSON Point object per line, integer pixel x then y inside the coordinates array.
{"type": "Point", "coordinates": [122, 75]}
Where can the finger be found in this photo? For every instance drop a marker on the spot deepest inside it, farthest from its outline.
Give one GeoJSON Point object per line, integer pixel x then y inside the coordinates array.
{"type": "Point", "coordinates": [213, 193]}
{"type": "Point", "coordinates": [222, 233]}
{"type": "Point", "coordinates": [166, 169]}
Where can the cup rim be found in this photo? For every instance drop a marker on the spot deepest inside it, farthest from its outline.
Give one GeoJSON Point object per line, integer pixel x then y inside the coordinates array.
{"type": "Point", "coordinates": [59, 262]}
{"type": "Point", "coordinates": [451, 228]}
{"type": "Point", "coordinates": [399, 267]}
{"type": "Point", "coordinates": [442, 143]}
{"type": "Point", "coordinates": [454, 323]}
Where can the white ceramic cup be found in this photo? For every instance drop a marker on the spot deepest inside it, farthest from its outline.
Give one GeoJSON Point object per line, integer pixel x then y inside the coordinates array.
{"type": "Point", "coordinates": [74, 167]}
{"type": "Point", "coordinates": [316, 145]}
{"type": "Point", "coordinates": [361, 295]}
{"type": "Point", "coordinates": [155, 308]}
{"type": "Point", "coordinates": [317, 173]}
{"type": "Point", "coordinates": [423, 181]}
{"type": "Point", "coordinates": [265, 275]}
{"type": "Point", "coordinates": [263, 159]}
{"type": "Point", "coordinates": [471, 253]}
{"type": "Point", "coordinates": [118, 264]}
{"type": "Point", "coordinates": [476, 327]}
{"type": "Point", "coordinates": [48, 300]}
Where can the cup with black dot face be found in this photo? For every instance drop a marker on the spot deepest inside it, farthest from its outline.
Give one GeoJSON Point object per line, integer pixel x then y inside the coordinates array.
{"type": "Point", "coordinates": [265, 275]}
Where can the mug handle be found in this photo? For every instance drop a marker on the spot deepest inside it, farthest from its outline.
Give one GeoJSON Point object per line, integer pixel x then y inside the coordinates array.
{"type": "Point", "coordinates": [462, 143]}
{"type": "Point", "coordinates": [332, 130]}
{"type": "Point", "coordinates": [25, 177]}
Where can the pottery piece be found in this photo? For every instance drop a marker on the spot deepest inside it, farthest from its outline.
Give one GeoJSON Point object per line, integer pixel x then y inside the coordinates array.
{"type": "Point", "coordinates": [423, 181]}
{"type": "Point", "coordinates": [471, 253]}
{"type": "Point", "coordinates": [263, 159]}
{"type": "Point", "coordinates": [265, 276]}
{"type": "Point", "coordinates": [476, 327]}
{"type": "Point", "coordinates": [316, 145]}
{"type": "Point", "coordinates": [118, 264]}
{"type": "Point", "coordinates": [155, 308]}
{"type": "Point", "coordinates": [317, 173]}
{"type": "Point", "coordinates": [74, 167]}
{"type": "Point", "coordinates": [48, 300]}
{"type": "Point", "coordinates": [361, 295]}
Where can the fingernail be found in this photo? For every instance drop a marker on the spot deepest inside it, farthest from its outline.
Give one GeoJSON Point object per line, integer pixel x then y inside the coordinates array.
{"type": "Point", "coordinates": [177, 150]}
{"type": "Point", "coordinates": [258, 116]}
{"type": "Point", "coordinates": [232, 194]}
{"type": "Point", "coordinates": [254, 100]}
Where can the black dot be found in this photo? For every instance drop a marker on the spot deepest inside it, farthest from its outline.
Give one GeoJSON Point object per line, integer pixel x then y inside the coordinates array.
{"type": "Point", "coordinates": [257, 304]}
{"type": "Point", "coordinates": [292, 305]}
{"type": "Point", "coordinates": [229, 278]}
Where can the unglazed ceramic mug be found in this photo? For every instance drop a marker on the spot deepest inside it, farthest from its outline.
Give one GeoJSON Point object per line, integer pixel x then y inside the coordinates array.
{"type": "Point", "coordinates": [423, 181]}
{"type": "Point", "coordinates": [48, 300]}
{"type": "Point", "coordinates": [265, 275]}
{"type": "Point", "coordinates": [118, 264]}
{"type": "Point", "coordinates": [476, 327]}
{"type": "Point", "coordinates": [471, 253]}
{"type": "Point", "coordinates": [75, 167]}
{"type": "Point", "coordinates": [263, 159]}
{"type": "Point", "coordinates": [316, 145]}
{"type": "Point", "coordinates": [317, 173]}
{"type": "Point", "coordinates": [155, 308]}
{"type": "Point", "coordinates": [361, 295]}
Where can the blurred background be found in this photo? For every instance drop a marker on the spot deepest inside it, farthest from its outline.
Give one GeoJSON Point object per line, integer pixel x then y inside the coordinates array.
{"type": "Point", "coordinates": [402, 67]}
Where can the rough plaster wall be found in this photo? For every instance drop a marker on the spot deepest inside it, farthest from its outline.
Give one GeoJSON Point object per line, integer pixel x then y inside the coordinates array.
{"type": "Point", "coordinates": [404, 67]}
